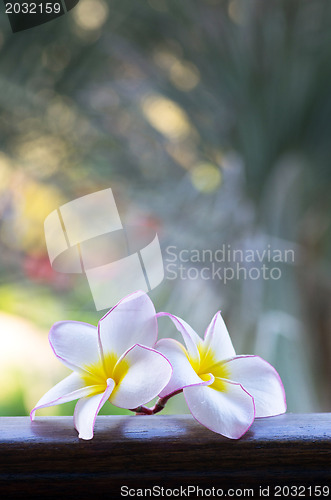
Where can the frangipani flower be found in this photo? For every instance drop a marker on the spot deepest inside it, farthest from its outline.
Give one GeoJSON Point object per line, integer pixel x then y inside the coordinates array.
{"type": "Point", "coordinates": [224, 392]}
{"type": "Point", "coordinates": [115, 361]}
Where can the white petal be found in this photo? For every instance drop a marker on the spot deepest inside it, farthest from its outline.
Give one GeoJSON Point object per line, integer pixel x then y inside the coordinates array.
{"type": "Point", "coordinates": [132, 321]}
{"type": "Point", "coordinates": [191, 338]}
{"type": "Point", "coordinates": [148, 372]}
{"type": "Point", "coordinates": [229, 413]}
{"type": "Point", "coordinates": [262, 381]}
{"type": "Point", "coordinates": [87, 409]}
{"type": "Point", "coordinates": [75, 344]}
{"type": "Point", "coordinates": [183, 372]}
{"type": "Point", "coordinates": [69, 389]}
{"type": "Point", "coordinates": [218, 340]}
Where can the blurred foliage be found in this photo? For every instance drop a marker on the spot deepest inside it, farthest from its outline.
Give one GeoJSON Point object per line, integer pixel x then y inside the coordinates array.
{"type": "Point", "coordinates": [210, 120]}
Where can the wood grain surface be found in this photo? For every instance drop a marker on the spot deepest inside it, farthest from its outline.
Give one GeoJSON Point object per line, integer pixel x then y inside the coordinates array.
{"type": "Point", "coordinates": [45, 458]}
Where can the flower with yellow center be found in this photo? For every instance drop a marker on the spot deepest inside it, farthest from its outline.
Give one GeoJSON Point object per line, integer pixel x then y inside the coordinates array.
{"type": "Point", "coordinates": [224, 392]}
{"type": "Point", "coordinates": [114, 362]}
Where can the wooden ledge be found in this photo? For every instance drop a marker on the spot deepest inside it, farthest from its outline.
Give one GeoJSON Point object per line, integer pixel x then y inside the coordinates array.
{"type": "Point", "coordinates": [169, 451]}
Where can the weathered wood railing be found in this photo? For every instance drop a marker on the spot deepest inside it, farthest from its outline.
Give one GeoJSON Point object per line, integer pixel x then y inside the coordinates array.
{"type": "Point", "coordinates": [282, 453]}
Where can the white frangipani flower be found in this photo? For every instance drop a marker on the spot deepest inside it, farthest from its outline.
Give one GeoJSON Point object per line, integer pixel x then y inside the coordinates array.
{"type": "Point", "coordinates": [224, 392]}
{"type": "Point", "coordinates": [115, 361]}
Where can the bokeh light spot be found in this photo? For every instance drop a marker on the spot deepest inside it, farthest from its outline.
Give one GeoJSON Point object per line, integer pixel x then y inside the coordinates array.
{"type": "Point", "coordinates": [235, 11]}
{"type": "Point", "coordinates": [166, 116]}
{"type": "Point", "coordinates": [206, 177]}
{"type": "Point", "coordinates": [184, 75]}
{"type": "Point", "coordinates": [90, 14]}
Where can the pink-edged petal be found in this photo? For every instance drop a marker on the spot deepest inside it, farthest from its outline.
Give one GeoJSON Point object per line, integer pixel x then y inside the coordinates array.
{"type": "Point", "coordinates": [87, 409]}
{"type": "Point", "coordinates": [217, 339]}
{"type": "Point", "coordinates": [262, 381]}
{"type": "Point", "coordinates": [230, 413]}
{"type": "Point", "coordinates": [132, 321]}
{"type": "Point", "coordinates": [146, 372]}
{"type": "Point", "coordinates": [183, 372]}
{"type": "Point", "coordinates": [69, 389]}
{"type": "Point", "coordinates": [75, 344]}
{"type": "Point", "coordinates": [191, 338]}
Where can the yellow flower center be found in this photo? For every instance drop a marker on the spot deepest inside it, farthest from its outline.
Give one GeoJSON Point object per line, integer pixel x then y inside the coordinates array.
{"type": "Point", "coordinates": [208, 364]}
{"type": "Point", "coordinates": [96, 374]}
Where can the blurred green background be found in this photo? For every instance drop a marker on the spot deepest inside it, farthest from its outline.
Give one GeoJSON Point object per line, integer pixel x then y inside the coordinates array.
{"type": "Point", "coordinates": [211, 122]}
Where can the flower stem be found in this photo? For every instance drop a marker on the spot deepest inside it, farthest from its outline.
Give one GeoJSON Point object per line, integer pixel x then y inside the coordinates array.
{"type": "Point", "coordinates": [159, 405]}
